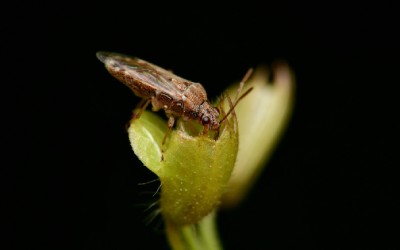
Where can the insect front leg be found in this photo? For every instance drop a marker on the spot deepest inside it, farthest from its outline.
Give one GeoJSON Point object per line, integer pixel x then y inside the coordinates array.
{"type": "Point", "coordinates": [142, 105]}
{"type": "Point", "coordinates": [171, 122]}
{"type": "Point", "coordinates": [205, 129]}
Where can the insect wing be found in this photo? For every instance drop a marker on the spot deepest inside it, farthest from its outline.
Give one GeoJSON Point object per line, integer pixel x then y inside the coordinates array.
{"type": "Point", "coordinates": [135, 72]}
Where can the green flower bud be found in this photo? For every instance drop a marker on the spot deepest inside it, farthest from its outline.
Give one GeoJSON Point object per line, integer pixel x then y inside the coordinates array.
{"type": "Point", "coordinates": [195, 169]}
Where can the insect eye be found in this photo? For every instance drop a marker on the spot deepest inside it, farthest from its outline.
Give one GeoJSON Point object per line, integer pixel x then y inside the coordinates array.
{"type": "Point", "coordinates": [205, 120]}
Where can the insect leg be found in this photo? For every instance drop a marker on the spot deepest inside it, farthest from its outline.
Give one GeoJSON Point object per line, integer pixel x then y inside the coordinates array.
{"type": "Point", "coordinates": [205, 129]}
{"type": "Point", "coordinates": [171, 122]}
{"type": "Point", "coordinates": [142, 105]}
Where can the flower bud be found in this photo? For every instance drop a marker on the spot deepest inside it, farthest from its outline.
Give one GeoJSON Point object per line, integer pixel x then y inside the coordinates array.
{"type": "Point", "coordinates": [195, 169]}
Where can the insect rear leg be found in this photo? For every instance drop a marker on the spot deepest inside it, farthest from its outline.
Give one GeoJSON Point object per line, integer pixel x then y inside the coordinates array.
{"type": "Point", "coordinates": [171, 122]}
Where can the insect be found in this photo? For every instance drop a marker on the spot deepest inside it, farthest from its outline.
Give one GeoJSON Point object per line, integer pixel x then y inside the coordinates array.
{"type": "Point", "coordinates": [164, 90]}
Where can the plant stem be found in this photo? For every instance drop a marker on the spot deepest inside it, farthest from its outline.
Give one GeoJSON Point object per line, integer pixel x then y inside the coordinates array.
{"type": "Point", "coordinates": [208, 232]}
{"type": "Point", "coordinates": [200, 236]}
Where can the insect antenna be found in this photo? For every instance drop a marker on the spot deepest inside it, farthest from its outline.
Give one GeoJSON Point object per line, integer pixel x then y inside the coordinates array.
{"type": "Point", "coordinates": [233, 112]}
{"type": "Point", "coordinates": [237, 98]}
{"type": "Point", "coordinates": [221, 104]}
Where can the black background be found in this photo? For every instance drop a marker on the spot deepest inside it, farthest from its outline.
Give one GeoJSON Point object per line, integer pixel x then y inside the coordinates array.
{"type": "Point", "coordinates": [73, 179]}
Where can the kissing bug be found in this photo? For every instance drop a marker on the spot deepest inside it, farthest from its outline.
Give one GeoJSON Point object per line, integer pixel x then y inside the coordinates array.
{"type": "Point", "coordinates": [164, 90]}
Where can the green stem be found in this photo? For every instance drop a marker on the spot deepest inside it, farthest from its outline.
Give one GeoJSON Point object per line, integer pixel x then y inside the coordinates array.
{"type": "Point", "coordinates": [208, 232]}
{"type": "Point", "coordinates": [200, 236]}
